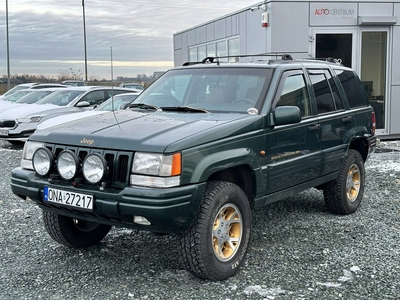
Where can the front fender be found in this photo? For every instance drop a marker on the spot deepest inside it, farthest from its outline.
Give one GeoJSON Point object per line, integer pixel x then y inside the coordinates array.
{"type": "Point", "coordinates": [222, 160]}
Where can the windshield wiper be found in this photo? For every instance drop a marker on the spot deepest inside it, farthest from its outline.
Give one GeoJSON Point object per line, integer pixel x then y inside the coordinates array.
{"type": "Point", "coordinates": [185, 109]}
{"type": "Point", "coordinates": [142, 106]}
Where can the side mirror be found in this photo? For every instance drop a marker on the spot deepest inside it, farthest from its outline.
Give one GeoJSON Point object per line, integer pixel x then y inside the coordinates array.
{"type": "Point", "coordinates": [83, 104]}
{"type": "Point", "coordinates": [287, 115]}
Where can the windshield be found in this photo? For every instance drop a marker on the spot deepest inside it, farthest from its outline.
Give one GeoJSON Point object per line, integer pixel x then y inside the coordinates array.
{"type": "Point", "coordinates": [222, 89]}
{"type": "Point", "coordinates": [134, 86]}
{"type": "Point", "coordinates": [61, 97]}
{"type": "Point", "coordinates": [15, 89]}
{"type": "Point", "coordinates": [34, 97]}
{"type": "Point", "coordinates": [116, 103]}
{"type": "Point", "coordinates": [17, 95]}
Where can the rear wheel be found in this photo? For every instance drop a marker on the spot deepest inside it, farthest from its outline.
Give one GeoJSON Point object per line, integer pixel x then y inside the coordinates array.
{"type": "Point", "coordinates": [343, 195]}
{"type": "Point", "coordinates": [73, 233]}
{"type": "Point", "coordinates": [215, 246]}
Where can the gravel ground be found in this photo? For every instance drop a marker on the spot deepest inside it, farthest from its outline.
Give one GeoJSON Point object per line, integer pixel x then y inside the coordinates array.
{"type": "Point", "coordinates": [298, 250]}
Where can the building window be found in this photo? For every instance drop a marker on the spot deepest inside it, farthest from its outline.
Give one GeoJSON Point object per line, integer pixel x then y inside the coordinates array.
{"type": "Point", "coordinates": [221, 50]}
{"type": "Point", "coordinates": [211, 50]}
{"type": "Point", "coordinates": [193, 54]}
{"type": "Point", "coordinates": [233, 49]}
{"type": "Point", "coordinates": [201, 53]}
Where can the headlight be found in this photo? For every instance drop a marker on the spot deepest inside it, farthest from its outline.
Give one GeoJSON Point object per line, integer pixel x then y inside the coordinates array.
{"type": "Point", "coordinates": [27, 154]}
{"type": "Point", "coordinates": [35, 119]}
{"type": "Point", "coordinates": [43, 161]}
{"type": "Point", "coordinates": [94, 168]}
{"type": "Point", "coordinates": [157, 164]}
{"type": "Point", "coordinates": [68, 165]}
{"type": "Point", "coordinates": [156, 170]}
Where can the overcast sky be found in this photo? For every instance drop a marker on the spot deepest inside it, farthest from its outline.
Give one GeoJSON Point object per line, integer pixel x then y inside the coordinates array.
{"type": "Point", "coordinates": [46, 36]}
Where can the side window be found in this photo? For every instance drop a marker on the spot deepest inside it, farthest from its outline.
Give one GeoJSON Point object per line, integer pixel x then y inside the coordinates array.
{"type": "Point", "coordinates": [335, 92]}
{"type": "Point", "coordinates": [111, 93]}
{"type": "Point", "coordinates": [322, 93]}
{"type": "Point", "coordinates": [294, 93]}
{"type": "Point", "coordinates": [352, 87]}
{"type": "Point", "coordinates": [94, 98]}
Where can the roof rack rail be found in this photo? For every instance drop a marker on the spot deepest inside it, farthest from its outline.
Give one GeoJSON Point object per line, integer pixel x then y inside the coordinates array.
{"type": "Point", "coordinates": [212, 59]}
{"type": "Point", "coordinates": [329, 59]}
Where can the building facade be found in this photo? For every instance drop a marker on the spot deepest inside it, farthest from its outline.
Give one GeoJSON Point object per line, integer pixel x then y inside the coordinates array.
{"type": "Point", "coordinates": [363, 35]}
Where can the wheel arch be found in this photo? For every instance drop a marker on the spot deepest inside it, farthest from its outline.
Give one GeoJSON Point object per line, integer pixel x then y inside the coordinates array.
{"type": "Point", "coordinates": [241, 175]}
{"type": "Point", "coordinates": [360, 145]}
{"type": "Point", "coordinates": [236, 166]}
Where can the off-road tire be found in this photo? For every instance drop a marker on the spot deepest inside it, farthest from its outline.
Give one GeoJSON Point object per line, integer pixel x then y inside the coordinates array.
{"type": "Point", "coordinates": [215, 246]}
{"type": "Point", "coordinates": [73, 233]}
{"type": "Point", "coordinates": [343, 195]}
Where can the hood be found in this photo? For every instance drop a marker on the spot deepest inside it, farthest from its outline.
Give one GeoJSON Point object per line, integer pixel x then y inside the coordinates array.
{"type": "Point", "coordinates": [23, 110]}
{"type": "Point", "coordinates": [68, 117]}
{"type": "Point", "coordinates": [151, 131]}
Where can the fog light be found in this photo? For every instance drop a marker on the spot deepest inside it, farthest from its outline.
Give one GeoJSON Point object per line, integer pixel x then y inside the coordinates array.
{"type": "Point", "coordinates": [43, 161]}
{"type": "Point", "coordinates": [94, 168]}
{"type": "Point", "coordinates": [141, 220]}
{"type": "Point", "coordinates": [68, 165]}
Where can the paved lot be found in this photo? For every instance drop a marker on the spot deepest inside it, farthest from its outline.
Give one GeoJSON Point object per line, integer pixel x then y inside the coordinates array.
{"type": "Point", "coordinates": [298, 251]}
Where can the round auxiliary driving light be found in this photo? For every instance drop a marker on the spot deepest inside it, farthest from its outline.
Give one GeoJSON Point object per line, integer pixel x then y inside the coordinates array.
{"type": "Point", "coordinates": [43, 161]}
{"type": "Point", "coordinates": [94, 168]}
{"type": "Point", "coordinates": [68, 165]}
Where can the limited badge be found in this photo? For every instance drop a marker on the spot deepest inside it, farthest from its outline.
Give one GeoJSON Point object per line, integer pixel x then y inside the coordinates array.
{"type": "Point", "coordinates": [252, 111]}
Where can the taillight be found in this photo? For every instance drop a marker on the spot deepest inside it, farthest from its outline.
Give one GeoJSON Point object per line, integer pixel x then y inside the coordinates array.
{"type": "Point", "coordinates": [373, 119]}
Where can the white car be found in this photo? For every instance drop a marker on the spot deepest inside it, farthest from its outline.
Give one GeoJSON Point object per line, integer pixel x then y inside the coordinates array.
{"type": "Point", "coordinates": [28, 96]}
{"type": "Point", "coordinates": [117, 102]}
{"type": "Point", "coordinates": [17, 124]}
{"type": "Point", "coordinates": [35, 86]}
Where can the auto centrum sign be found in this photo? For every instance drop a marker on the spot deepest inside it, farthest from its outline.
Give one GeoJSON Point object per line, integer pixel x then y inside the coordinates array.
{"type": "Point", "coordinates": [334, 11]}
{"type": "Point", "coordinates": [322, 14]}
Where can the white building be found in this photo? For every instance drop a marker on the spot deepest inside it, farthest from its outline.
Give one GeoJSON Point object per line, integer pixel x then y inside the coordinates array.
{"type": "Point", "coordinates": [364, 35]}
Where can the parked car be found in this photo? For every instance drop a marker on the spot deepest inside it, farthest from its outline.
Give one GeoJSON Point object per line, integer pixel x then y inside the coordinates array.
{"type": "Point", "coordinates": [132, 85]}
{"type": "Point", "coordinates": [14, 96]}
{"type": "Point", "coordinates": [35, 85]}
{"type": "Point", "coordinates": [117, 102]}
{"type": "Point", "coordinates": [17, 124]}
{"type": "Point", "coordinates": [28, 96]}
{"type": "Point", "coordinates": [198, 150]}
{"type": "Point", "coordinates": [73, 82]}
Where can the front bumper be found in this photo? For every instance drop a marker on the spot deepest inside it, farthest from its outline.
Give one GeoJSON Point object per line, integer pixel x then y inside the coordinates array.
{"type": "Point", "coordinates": [170, 210]}
{"type": "Point", "coordinates": [20, 132]}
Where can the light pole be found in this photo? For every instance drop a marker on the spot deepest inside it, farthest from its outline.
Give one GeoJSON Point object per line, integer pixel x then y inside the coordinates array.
{"type": "Point", "coordinates": [84, 38]}
{"type": "Point", "coordinates": [8, 49]}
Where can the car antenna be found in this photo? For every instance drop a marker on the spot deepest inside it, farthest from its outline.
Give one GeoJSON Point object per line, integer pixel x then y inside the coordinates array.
{"type": "Point", "coordinates": [112, 88]}
{"type": "Point", "coordinates": [112, 80]}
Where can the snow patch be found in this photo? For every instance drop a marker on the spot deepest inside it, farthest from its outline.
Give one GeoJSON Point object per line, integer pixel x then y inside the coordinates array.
{"type": "Point", "coordinates": [329, 284]}
{"type": "Point", "coordinates": [269, 293]}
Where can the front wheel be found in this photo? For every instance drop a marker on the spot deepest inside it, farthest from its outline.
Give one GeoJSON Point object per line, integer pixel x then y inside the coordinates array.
{"type": "Point", "coordinates": [73, 233]}
{"type": "Point", "coordinates": [215, 246]}
{"type": "Point", "coordinates": [343, 195]}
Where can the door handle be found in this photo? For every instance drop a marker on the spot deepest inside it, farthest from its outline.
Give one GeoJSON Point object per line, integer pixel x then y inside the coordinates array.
{"type": "Point", "coordinates": [347, 119]}
{"type": "Point", "coordinates": [313, 127]}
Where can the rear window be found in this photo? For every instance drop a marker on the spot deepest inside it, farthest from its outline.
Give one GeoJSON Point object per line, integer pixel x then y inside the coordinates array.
{"type": "Point", "coordinates": [353, 88]}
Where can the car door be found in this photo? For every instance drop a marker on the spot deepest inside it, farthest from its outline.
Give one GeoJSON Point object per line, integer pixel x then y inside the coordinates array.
{"type": "Point", "coordinates": [293, 150]}
{"type": "Point", "coordinates": [335, 121]}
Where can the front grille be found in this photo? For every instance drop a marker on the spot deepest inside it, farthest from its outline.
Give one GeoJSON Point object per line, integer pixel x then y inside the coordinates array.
{"type": "Point", "coordinates": [118, 163]}
{"type": "Point", "coordinates": [7, 123]}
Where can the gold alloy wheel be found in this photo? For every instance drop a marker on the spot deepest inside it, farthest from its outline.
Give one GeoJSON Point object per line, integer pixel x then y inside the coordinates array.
{"type": "Point", "coordinates": [227, 232]}
{"type": "Point", "coordinates": [353, 183]}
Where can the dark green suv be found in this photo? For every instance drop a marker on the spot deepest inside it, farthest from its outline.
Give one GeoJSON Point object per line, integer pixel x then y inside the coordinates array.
{"type": "Point", "coordinates": [198, 150]}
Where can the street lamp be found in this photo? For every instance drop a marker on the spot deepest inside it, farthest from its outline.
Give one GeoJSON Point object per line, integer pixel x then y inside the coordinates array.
{"type": "Point", "coordinates": [8, 49]}
{"type": "Point", "coordinates": [84, 38]}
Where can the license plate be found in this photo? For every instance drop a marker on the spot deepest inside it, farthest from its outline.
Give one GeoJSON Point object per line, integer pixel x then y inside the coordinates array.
{"type": "Point", "coordinates": [68, 198]}
{"type": "Point", "coordinates": [3, 132]}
